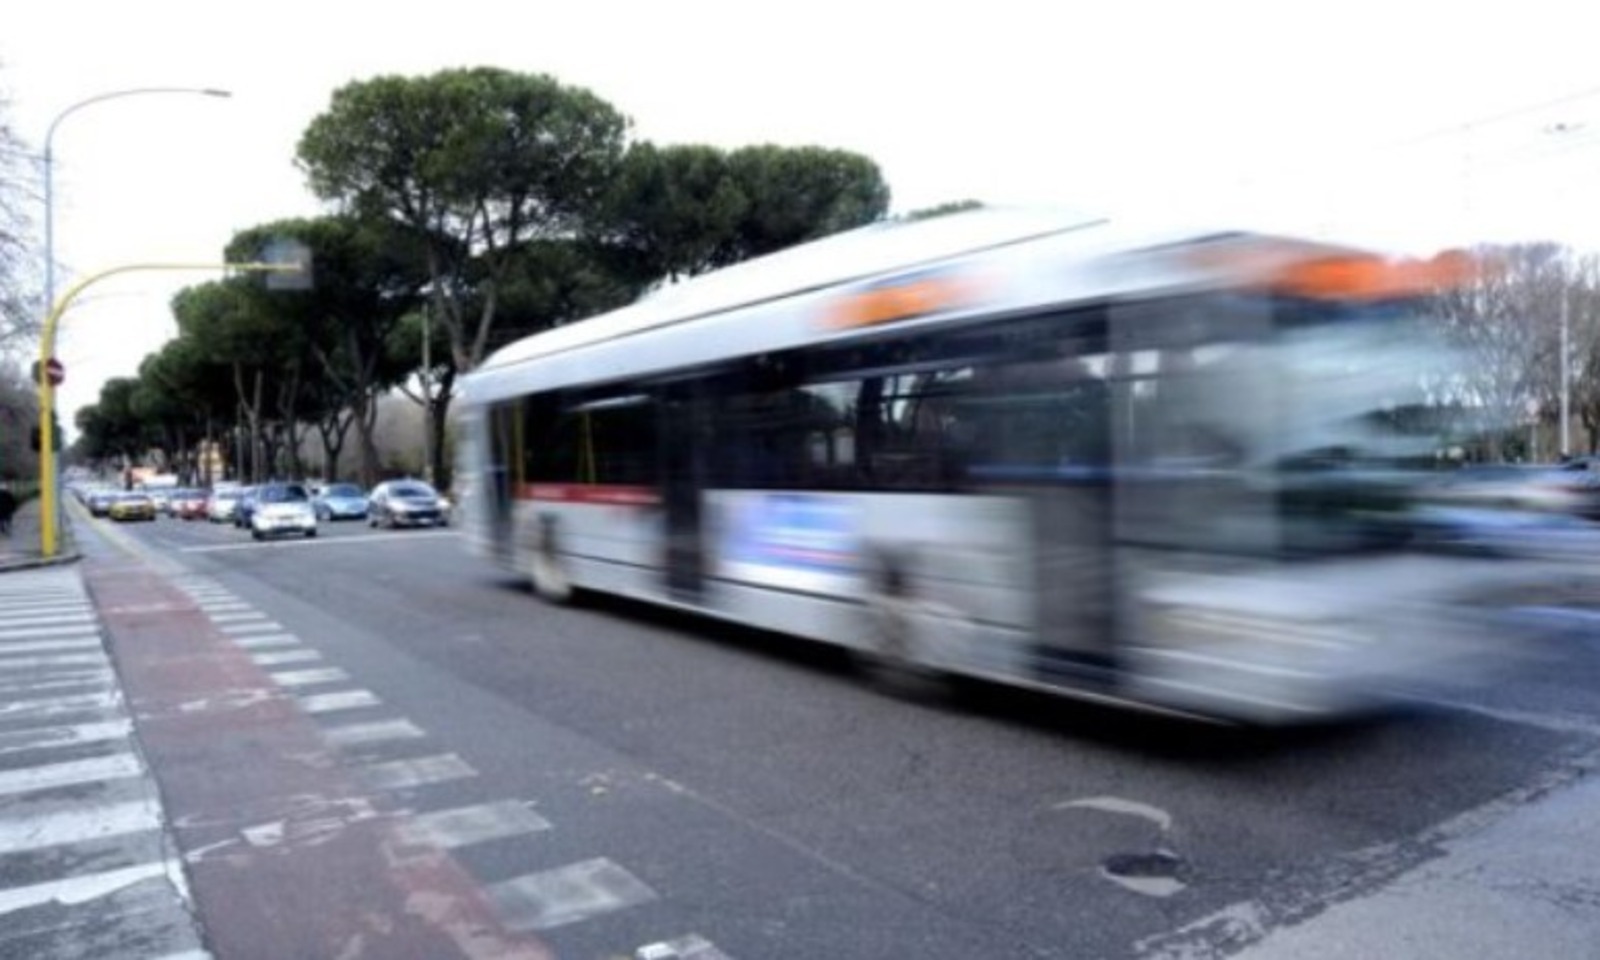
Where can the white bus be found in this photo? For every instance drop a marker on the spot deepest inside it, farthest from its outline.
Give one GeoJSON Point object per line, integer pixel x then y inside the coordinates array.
{"type": "Point", "coordinates": [1155, 469]}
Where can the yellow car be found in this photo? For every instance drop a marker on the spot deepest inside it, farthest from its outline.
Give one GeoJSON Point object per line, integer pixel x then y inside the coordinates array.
{"type": "Point", "coordinates": [133, 506]}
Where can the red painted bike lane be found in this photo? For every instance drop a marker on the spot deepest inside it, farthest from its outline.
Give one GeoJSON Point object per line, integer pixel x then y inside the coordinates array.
{"type": "Point", "coordinates": [287, 854]}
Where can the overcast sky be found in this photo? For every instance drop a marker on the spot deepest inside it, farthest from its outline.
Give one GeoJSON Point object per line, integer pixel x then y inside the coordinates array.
{"type": "Point", "coordinates": [1411, 125]}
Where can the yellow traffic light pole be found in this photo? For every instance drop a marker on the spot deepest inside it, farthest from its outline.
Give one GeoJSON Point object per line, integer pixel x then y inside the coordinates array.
{"type": "Point", "coordinates": [47, 390]}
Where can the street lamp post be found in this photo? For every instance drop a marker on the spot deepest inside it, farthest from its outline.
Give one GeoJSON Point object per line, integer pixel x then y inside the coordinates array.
{"type": "Point", "coordinates": [47, 449]}
{"type": "Point", "coordinates": [49, 168]}
{"type": "Point", "coordinates": [49, 502]}
{"type": "Point", "coordinates": [1566, 376]}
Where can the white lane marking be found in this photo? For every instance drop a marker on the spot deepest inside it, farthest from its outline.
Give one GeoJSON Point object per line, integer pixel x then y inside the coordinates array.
{"type": "Point", "coordinates": [71, 773]}
{"type": "Point", "coordinates": [24, 646]}
{"type": "Point", "coordinates": [35, 738]}
{"type": "Point", "coordinates": [269, 640]}
{"type": "Point", "coordinates": [41, 646]}
{"type": "Point", "coordinates": [463, 826]}
{"type": "Point", "coordinates": [241, 616]}
{"type": "Point", "coordinates": [405, 774]}
{"type": "Point", "coordinates": [223, 606]}
{"type": "Point", "coordinates": [23, 598]}
{"type": "Point", "coordinates": [342, 700]}
{"type": "Point", "coordinates": [554, 898]}
{"type": "Point", "coordinates": [274, 657]}
{"type": "Point", "coordinates": [51, 706]}
{"type": "Point", "coordinates": [356, 734]}
{"type": "Point", "coordinates": [692, 947]}
{"type": "Point", "coordinates": [1133, 808]}
{"type": "Point", "coordinates": [58, 679]}
{"type": "Point", "coordinates": [79, 889]}
{"type": "Point", "coordinates": [143, 608]}
{"type": "Point", "coordinates": [237, 699]}
{"type": "Point", "coordinates": [46, 620]}
{"type": "Point", "coordinates": [18, 619]}
{"type": "Point", "coordinates": [95, 659]}
{"type": "Point", "coordinates": [330, 818]}
{"type": "Point", "coordinates": [402, 537]}
{"type": "Point", "coordinates": [79, 824]}
{"type": "Point", "coordinates": [41, 633]}
{"type": "Point", "coordinates": [254, 626]}
{"type": "Point", "coordinates": [26, 586]}
{"type": "Point", "coordinates": [1150, 886]}
{"type": "Point", "coordinates": [20, 610]}
{"type": "Point", "coordinates": [303, 678]}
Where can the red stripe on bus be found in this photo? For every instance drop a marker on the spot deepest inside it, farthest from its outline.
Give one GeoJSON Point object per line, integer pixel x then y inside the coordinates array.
{"type": "Point", "coordinates": [590, 493]}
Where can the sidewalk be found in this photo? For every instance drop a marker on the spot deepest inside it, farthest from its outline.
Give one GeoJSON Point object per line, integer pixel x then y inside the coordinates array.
{"type": "Point", "coordinates": [1526, 886]}
{"type": "Point", "coordinates": [20, 551]}
{"type": "Point", "coordinates": [89, 866]}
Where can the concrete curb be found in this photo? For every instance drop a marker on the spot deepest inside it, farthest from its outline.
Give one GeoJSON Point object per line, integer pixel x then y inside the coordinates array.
{"type": "Point", "coordinates": [24, 529]}
{"type": "Point", "coordinates": [39, 562]}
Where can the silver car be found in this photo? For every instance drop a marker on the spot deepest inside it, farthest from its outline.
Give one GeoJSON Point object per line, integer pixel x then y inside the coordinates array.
{"type": "Point", "coordinates": [406, 503]}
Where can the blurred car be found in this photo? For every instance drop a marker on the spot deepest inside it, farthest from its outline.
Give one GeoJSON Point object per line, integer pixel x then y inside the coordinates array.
{"type": "Point", "coordinates": [132, 506]}
{"type": "Point", "coordinates": [280, 508]}
{"type": "Point", "coordinates": [340, 501]}
{"type": "Point", "coordinates": [100, 502]}
{"type": "Point", "coordinates": [222, 505]}
{"type": "Point", "coordinates": [1580, 477]}
{"type": "Point", "coordinates": [189, 504]}
{"type": "Point", "coordinates": [246, 507]}
{"type": "Point", "coordinates": [406, 503]}
{"type": "Point", "coordinates": [1508, 487]}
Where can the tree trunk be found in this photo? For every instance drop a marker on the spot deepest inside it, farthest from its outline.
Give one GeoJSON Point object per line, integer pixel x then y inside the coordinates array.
{"type": "Point", "coordinates": [333, 431]}
{"type": "Point", "coordinates": [288, 394]}
{"type": "Point", "coordinates": [250, 406]}
{"type": "Point", "coordinates": [437, 416]}
{"type": "Point", "coordinates": [366, 420]}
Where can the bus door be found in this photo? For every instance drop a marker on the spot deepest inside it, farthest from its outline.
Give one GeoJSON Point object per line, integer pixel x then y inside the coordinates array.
{"type": "Point", "coordinates": [1192, 403]}
{"type": "Point", "coordinates": [501, 469]}
{"type": "Point", "coordinates": [1043, 440]}
{"type": "Point", "coordinates": [683, 420]}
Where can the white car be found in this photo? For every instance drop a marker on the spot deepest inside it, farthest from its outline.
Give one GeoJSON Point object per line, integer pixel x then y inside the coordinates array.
{"type": "Point", "coordinates": [283, 508]}
{"type": "Point", "coordinates": [222, 505]}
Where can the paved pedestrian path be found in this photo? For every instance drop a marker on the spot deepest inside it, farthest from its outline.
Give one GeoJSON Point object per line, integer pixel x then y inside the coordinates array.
{"type": "Point", "coordinates": [88, 867]}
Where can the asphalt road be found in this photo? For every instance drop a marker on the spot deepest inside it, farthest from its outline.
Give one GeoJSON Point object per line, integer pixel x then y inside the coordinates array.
{"type": "Point", "coordinates": [735, 794]}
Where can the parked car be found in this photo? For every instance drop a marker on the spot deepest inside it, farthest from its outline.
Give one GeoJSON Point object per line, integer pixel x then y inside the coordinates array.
{"type": "Point", "coordinates": [406, 503]}
{"type": "Point", "coordinates": [279, 508]}
{"type": "Point", "coordinates": [132, 506]}
{"type": "Point", "coordinates": [340, 501]}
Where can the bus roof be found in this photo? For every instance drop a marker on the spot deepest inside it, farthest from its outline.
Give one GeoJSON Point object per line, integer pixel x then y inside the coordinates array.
{"type": "Point", "coordinates": [775, 302]}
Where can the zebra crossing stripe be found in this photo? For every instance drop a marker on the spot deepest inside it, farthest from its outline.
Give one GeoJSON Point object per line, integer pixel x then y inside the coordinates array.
{"type": "Point", "coordinates": [69, 773]}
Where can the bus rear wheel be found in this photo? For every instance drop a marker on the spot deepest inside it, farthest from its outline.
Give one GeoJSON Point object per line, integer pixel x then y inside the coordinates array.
{"type": "Point", "coordinates": [547, 572]}
{"type": "Point", "coordinates": [549, 578]}
{"type": "Point", "coordinates": [889, 656]}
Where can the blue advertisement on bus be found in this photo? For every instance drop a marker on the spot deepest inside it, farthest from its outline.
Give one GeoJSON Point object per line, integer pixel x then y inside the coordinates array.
{"type": "Point", "coordinates": [796, 540]}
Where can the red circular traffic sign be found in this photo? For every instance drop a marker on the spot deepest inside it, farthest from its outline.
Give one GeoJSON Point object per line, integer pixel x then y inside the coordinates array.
{"type": "Point", "coordinates": [52, 369]}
